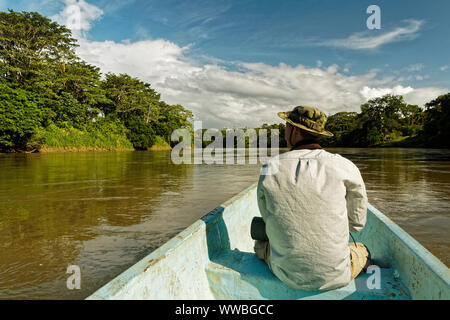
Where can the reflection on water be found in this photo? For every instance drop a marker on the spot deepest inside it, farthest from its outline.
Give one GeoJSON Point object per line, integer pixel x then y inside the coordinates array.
{"type": "Point", "coordinates": [411, 186]}
{"type": "Point", "coordinates": [105, 211]}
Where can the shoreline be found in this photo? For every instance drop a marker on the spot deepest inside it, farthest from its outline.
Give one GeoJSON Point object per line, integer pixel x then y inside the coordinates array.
{"type": "Point", "coordinates": [168, 148]}
{"type": "Point", "coordinates": [86, 149]}
{"type": "Point", "coordinates": [83, 149]}
{"type": "Point", "coordinates": [159, 148]}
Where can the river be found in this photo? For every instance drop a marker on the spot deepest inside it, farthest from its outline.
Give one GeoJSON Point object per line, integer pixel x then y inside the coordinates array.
{"type": "Point", "coordinates": [103, 211]}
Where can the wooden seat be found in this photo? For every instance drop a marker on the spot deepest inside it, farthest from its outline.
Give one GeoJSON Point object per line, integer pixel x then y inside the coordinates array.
{"type": "Point", "coordinates": [241, 275]}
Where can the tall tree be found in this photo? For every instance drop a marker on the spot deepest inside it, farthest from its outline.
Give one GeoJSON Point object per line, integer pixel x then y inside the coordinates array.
{"type": "Point", "coordinates": [19, 117]}
{"type": "Point", "coordinates": [341, 125]}
{"type": "Point", "coordinates": [39, 55]}
{"type": "Point", "coordinates": [379, 117]}
{"type": "Point", "coordinates": [31, 46]}
{"type": "Point", "coordinates": [39, 67]}
{"type": "Point", "coordinates": [412, 119]}
{"type": "Point", "coordinates": [130, 97]}
{"type": "Point", "coordinates": [437, 121]}
{"type": "Point", "coordinates": [171, 117]}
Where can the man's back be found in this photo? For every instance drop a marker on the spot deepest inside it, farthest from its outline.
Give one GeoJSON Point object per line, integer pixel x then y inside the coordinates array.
{"type": "Point", "coordinates": [304, 204]}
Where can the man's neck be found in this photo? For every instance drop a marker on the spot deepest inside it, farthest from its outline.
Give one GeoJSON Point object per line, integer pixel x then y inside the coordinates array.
{"type": "Point", "coordinates": [305, 144]}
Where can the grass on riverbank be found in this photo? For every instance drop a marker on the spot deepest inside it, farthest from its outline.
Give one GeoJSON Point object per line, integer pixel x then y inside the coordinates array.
{"type": "Point", "coordinates": [404, 142]}
{"type": "Point", "coordinates": [55, 139]}
{"type": "Point", "coordinates": [70, 139]}
{"type": "Point", "coordinates": [160, 144]}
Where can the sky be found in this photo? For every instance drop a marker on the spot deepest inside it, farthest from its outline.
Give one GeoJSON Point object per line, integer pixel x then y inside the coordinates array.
{"type": "Point", "coordinates": [237, 63]}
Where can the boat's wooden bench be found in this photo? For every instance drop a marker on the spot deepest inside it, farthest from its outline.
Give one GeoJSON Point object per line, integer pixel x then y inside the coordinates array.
{"type": "Point", "coordinates": [241, 275]}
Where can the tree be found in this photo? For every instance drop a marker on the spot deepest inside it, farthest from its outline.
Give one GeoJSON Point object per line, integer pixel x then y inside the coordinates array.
{"type": "Point", "coordinates": [82, 81]}
{"type": "Point", "coordinates": [412, 119]}
{"type": "Point", "coordinates": [140, 134]}
{"type": "Point", "coordinates": [171, 117]}
{"type": "Point", "coordinates": [139, 107]}
{"type": "Point", "coordinates": [19, 117]}
{"type": "Point", "coordinates": [66, 112]}
{"type": "Point", "coordinates": [31, 46]}
{"type": "Point", "coordinates": [379, 118]}
{"type": "Point", "coordinates": [39, 67]}
{"type": "Point", "coordinates": [39, 55]}
{"type": "Point", "coordinates": [130, 97]}
{"type": "Point", "coordinates": [437, 121]}
{"type": "Point", "coordinates": [341, 125]}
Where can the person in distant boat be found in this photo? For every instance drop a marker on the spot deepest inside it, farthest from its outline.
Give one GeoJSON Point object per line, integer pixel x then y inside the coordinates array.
{"type": "Point", "coordinates": [309, 205]}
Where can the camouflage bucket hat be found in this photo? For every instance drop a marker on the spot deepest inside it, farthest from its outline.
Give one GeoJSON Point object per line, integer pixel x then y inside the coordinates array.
{"type": "Point", "coordinates": [307, 118]}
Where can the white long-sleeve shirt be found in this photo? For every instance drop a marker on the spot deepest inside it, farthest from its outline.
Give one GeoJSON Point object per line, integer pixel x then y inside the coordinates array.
{"type": "Point", "coordinates": [309, 203]}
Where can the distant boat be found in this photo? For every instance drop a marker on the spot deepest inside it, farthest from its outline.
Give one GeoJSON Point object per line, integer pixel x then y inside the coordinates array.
{"type": "Point", "coordinates": [213, 259]}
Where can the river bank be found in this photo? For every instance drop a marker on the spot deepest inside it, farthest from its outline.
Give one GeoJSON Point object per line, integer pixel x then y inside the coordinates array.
{"type": "Point", "coordinates": [55, 139]}
{"type": "Point", "coordinates": [82, 149]}
{"type": "Point", "coordinates": [167, 147]}
{"type": "Point", "coordinates": [159, 145]}
{"type": "Point", "coordinates": [89, 149]}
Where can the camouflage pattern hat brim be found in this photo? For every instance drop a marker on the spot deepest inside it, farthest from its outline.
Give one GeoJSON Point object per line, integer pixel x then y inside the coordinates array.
{"type": "Point", "coordinates": [307, 118]}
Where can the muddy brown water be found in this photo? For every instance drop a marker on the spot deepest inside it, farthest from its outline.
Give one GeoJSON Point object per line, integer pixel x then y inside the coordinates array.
{"type": "Point", "coordinates": [104, 211]}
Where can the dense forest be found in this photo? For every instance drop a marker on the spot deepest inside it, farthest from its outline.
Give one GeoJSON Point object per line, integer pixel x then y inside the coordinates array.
{"type": "Point", "coordinates": [389, 121]}
{"type": "Point", "coordinates": [50, 98]}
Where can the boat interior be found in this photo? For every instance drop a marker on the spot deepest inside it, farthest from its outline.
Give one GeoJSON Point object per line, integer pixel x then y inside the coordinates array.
{"type": "Point", "coordinates": [214, 259]}
{"type": "Point", "coordinates": [241, 275]}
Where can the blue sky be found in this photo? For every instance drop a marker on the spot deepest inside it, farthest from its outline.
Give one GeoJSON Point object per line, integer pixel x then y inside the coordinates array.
{"type": "Point", "coordinates": [230, 60]}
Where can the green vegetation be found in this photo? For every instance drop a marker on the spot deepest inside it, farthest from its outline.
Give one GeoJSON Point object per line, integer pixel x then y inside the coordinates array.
{"type": "Point", "coordinates": [387, 122]}
{"type": "Point", "coordinates": [160, 144]}
{"type": "Point", "coordinates": [95, 138]}
{"type": "Point", "coordinates": [390, 122]}
{"type": "Point", "coordinates": [19, 116]}
{"type": "Point", "coordinates": [51, 99]}
{"type": "Point", "coordinates": [437, 121]}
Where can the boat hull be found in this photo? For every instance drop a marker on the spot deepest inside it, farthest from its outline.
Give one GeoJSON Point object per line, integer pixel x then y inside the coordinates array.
{"type": "Point", "coordinates": [213, 259]}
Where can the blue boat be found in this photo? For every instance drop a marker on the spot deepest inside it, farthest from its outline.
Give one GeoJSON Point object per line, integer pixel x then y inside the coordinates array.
{"type": "Point", "coordinates": [213, 259]}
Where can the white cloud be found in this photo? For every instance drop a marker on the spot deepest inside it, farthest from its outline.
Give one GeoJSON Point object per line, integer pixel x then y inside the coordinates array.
{"type": "Point", "coordinates": [247, 94]}
{"type": "Point", "coordinates": [152, 60]}
{"type": "Point", "coordinates": [443, 68]}
{"type": "Point", "coordinates": [78, 15]}
{"type": "Point", "coordinates": [420, 96]}
{"type": "Point", "coordinates": [370, 93]}
{"type": "Point", "coordinates": [247, 97]}
{"type": "Point", "coordinates": [417, 96]}
{"type": "Point", "coordinates": [367, 41]}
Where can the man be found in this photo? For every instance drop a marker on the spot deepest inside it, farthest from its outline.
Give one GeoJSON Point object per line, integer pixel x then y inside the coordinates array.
{"type": "Point", "coordinates": [309, 205]}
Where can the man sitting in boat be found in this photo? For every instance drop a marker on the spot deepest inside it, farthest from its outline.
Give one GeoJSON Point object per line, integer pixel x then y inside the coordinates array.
{"type": "Point", "coordinates": [309, 204]}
